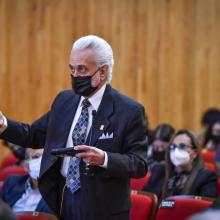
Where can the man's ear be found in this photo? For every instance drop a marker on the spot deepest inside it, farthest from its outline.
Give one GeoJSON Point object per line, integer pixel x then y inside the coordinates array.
{"type": "Point", "coordinates": [104, 72]}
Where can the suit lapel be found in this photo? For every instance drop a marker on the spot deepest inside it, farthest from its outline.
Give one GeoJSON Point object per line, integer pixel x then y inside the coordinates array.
{"type": "Point", "coordinates": [101, 121]}
{"type": "Point", "coordinates": [68, 112]}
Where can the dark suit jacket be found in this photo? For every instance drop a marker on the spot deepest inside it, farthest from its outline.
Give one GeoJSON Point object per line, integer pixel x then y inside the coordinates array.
{"type": "Point", "coordinates": [14, 187]}
{"type": "Point", "coordinates": [105, 192]}
{"type": "Point", "coordinates": [204, 184]}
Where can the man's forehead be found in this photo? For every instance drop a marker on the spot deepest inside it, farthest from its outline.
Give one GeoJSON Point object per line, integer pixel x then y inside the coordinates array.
{"type": "Point", "coordinates": [81, 56]}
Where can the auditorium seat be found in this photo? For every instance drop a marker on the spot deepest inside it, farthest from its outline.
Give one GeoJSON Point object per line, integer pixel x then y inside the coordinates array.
{"type": "Point", "coordinates": [143, 205]}
{"type": "Point", "coordinates": [9, 160]}
{"type": "Point", "coordinates": [211, 166]}
{"type": "Point", "coordinates": [4, 173]}
{"type": "Point", "coordinates": [181, 207]}
{"type": "Point", "coordinates": [208, 155]}
{"type": "Point", "coordinates": [35, 216]}
{"type": "Point", "coordinates": [138, 184]}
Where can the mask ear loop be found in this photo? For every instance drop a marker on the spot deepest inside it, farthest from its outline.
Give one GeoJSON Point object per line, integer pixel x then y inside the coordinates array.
{"type": "Point", "coordinates": [95, 72]}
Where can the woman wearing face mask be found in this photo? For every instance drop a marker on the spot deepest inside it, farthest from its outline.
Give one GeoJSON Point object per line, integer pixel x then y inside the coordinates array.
{"type": "Point", "coordinates": [183, 173]}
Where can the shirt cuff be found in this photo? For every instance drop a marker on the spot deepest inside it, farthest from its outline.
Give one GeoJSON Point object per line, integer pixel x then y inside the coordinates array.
{"type": "Point", "coordinates": [105, 164]}
{"type": "Point", "coordinates": [4, 126]}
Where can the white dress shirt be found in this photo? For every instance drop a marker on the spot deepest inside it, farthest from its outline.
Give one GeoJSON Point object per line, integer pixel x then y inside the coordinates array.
{"type": "Point", "coordinates": [29, 199]}
{"type": "Point", "coordinates": [95, 101]}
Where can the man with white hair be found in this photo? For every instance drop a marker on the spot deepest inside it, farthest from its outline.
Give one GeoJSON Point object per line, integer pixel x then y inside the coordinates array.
{"type": "Point", "coordinates": [107, 129]}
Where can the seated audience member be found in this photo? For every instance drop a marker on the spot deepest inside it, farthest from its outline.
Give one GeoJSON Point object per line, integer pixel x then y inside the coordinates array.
{"type": "Point", "coordinates": [209, 117]}
{"type": "Point", "coordinates": [183, 173]}
{"type": "Point", "coordinates": [161, 139]}
{"type": "Point", "coordinates": [21, 192]}
{"type": "Point", "coordinates": [212, 137]}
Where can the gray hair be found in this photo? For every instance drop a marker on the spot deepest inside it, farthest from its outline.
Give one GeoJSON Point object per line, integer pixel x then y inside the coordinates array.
{"type": "Point", "coordinates": [102, 49]}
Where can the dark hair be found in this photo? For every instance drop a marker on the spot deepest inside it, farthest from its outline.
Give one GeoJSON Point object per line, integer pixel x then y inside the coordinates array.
{"type": "Point", "coordinates": [197, 164]}
{"type": "Point", "coordinates": [210, 116]}
{"type": "Point", "coordinates": [163, 132]}
{"type": "Point", "coordinates": [190, 135]}
{"type": "Point", "coordinates": [208, 133]}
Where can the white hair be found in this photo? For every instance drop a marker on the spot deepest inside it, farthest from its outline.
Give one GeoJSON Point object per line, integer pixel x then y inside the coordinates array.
{"type": "Point", "coordinates": [102, 49]}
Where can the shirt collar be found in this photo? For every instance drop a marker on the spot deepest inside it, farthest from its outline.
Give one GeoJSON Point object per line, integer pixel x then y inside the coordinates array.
{"type": "Point", "coordinates": [28, 185]}
{"type": "Point", "coordinates": [96, 99]}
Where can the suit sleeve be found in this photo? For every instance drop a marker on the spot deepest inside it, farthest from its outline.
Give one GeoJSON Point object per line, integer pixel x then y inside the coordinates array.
{"type": "Point", "coordinates": [27, 135]}
{"type": "Point", "coordinates": [132, 162]}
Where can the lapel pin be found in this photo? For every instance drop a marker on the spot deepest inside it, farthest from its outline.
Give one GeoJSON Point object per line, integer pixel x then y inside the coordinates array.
{"type": "Point", "coordinates": [102, 127]}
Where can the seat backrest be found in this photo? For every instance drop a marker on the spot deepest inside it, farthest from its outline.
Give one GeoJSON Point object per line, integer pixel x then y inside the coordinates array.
{"type": "Point", "coordinates": [138, 184]}
{"type": "Point", "coordinates": [180, 207]}
{"type": "Point", "coordinates": [35, 216]}
{"type": "Point", "coordinates": [9, 160]}
{"type": "Point", "coordinates": [4, 173]}
{"type": "Point", "coordinates": [143, 205]}
{"type": "Point", "coordinates": [211, 166]}
{"type": "Point", "coordinates": [208, 155]}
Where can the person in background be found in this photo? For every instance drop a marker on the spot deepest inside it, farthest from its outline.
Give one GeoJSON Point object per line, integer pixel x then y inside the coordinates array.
{"type": "Point", "coordinates": [161, 138]}
{"type": "Point", "coordinates": [21, 192]}
{"type": "Point", "coordinates": [212, 136]}
{"type": "Point", "coordinates": [183, 173]}
{"type": "Point", "coordinates": [209, 117]}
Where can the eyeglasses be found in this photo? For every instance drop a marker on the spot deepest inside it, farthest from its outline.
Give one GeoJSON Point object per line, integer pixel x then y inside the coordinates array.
{"type": "Point", "coordinates": [181, 146]}
{"type": "Point", "coordinates": [82, 69]}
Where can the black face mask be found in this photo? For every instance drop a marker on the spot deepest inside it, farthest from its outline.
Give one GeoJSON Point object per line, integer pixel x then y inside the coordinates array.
{"type": "Point", "coordinates": [82, 85]}
{"type": "Point", "coordinates": [158, 155]}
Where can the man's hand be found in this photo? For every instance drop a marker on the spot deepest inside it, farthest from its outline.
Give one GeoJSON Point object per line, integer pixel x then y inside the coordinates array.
{"type": "Point", "coordinates": [1, 119]}
{"type": "Point", "coordinates": [92, 155]}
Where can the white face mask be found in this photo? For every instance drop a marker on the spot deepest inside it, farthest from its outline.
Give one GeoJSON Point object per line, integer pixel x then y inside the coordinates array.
{"type": "Point", "coordinates": [179, 157]}
{"type": "Point", "coordinates": [34, 167]}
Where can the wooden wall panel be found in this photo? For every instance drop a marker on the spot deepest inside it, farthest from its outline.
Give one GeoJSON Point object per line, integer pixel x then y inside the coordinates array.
{"type": "Point", "coordinates": [166, 53]}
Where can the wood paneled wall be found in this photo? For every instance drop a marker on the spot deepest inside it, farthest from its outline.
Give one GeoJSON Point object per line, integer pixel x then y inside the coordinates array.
{"type": "Point", "coordinates": [167, 53]}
